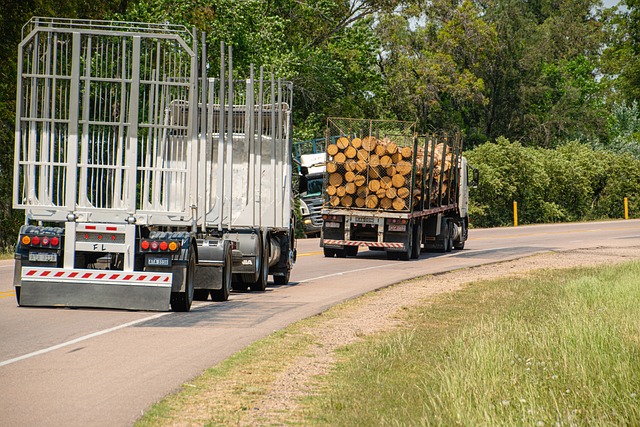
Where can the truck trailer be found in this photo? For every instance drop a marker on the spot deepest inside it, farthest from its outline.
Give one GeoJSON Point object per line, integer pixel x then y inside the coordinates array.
{"type": "Point", "coordinates": [145, 182]}
{"type": "Point", "coordinates": [388, 189]}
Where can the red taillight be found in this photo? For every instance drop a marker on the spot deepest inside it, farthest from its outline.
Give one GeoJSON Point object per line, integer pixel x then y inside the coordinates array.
{"type": "Point", "coordinates": [144, 245]}
{"type": "Point", "coordinates": [55, 241]}
{"type": "Point", "coordinates": [154, 246]}
{"type": "Point", "coordinates": [164, 246]}
{"type": "Point", "coordinates": [35, 240]}
{"type": "Point", "coordinates": [45, 241]}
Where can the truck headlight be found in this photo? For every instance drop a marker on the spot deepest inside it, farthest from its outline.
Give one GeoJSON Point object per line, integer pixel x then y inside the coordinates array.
{"type": "Point", "coordinates": [304, 209]}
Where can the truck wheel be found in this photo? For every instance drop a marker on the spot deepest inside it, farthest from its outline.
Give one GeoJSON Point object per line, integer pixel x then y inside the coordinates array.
{"type": "Point", "coordinates": [446, 240]}
{"type": "Point", "coordinates": [263, 276]}
{"type": "Point", "coordinates": [417, 240]}
{"type": "Point", "coordinates": [463, 234]}
{"type": "Point", "coordinates": [181, 301]}
{"type": "Point", "coordinates": [282, 280]}
{"type": "Point", "coordinates": [329, 253]}
{"type": "Point", "coordinates": [408, 251]}
{"type": "Point", "coordinates": [201, 294]}
{"type": "Point", "coordinates": [352, 250]}
{"type": "Point", "coordinates": [222, 294]}
{"type": "Point", "coordinates": [18, 288]}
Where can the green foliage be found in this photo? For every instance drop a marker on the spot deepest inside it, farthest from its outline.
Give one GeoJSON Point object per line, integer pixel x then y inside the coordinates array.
{"type": "Point", "coordinates": [571, 183]}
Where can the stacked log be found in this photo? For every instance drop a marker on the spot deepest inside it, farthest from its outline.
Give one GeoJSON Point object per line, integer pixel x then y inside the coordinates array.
{"type": "Point", "coordinates": [373, 173]}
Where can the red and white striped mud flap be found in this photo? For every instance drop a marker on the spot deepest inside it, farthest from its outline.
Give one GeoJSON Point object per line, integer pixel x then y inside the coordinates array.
{"type": "Point", "coordinates": [42, 286]}
{"type": "Point", "coordinates": [360, 243]}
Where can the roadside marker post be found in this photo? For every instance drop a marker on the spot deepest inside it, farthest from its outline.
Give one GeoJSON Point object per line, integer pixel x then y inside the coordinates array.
{"type": "Point", "coordinates": [515, 213]}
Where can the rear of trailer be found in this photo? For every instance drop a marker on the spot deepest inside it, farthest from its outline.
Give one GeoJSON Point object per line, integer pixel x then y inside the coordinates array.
{"type": "Point", "coordinates": [386, 188]}
{"type": "Point", "coordinates": [135, 168]}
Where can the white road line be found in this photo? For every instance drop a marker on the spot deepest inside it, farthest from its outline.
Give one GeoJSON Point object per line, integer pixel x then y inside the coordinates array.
{"type": "Point", "coordinates": [79, 339]}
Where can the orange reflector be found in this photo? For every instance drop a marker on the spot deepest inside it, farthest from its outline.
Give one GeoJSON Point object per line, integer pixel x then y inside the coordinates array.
{"type": "Point", "coordinates": [173, 246]}
{"type": "Point", "coordinates": [26, 240]}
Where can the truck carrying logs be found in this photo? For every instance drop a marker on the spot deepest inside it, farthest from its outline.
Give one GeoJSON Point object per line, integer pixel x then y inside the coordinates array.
{"type": "Point", "coordinates": [388, 188]}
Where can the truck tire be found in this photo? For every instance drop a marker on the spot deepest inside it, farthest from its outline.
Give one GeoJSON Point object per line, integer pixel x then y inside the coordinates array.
{"type": "Point", "coordinates": [417, 241]}
{"type": "Point", "coordinates": [18, 288]}
{"type": "Point", "coordinates": [446, 240]}
{"type": "Point", "coordinates": [408, 251]}
{"type": "Point", "coordinates": [329, 253]}
{"type": "Point", "coordinates": [222, 294]}
{"type": "Point", "coordinates": [181, 301]}
{"type": "Point", "coordinates": [260, 284]}
{"type": "Point", "coordinates": [352, 250]}
{"type": "Point", "coordinates": [282, 280]}
{"type": "Point", "coordinates": [459, 245]}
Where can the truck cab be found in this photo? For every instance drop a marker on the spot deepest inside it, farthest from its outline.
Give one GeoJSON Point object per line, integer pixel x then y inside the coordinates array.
{"type": "Point", "coordinates": [312, 170]}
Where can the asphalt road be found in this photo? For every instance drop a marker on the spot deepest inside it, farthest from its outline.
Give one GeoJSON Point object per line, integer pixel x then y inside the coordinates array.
{"type": "Point", "coordinates": [81, 367]}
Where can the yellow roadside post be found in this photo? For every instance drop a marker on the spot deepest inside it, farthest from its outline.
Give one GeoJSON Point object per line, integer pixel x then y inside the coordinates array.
{"type": "Point", "coordinates": [626, 208]}
{"type": "Point", "coordinates": [515, 213]}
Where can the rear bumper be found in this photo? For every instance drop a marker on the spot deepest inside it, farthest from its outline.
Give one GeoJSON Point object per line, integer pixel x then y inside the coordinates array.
{"type": "Point", "coordinates": [57, 287]}
{"type": "Point", "coordinates": [340, 243]}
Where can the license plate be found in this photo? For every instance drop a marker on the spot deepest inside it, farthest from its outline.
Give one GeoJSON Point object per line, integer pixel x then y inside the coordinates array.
{"type": "Point", "coordinates": [397, 227]}
{"type": "Point", "coordinates": [159, 262]}
{"type": "Point", "coordinates": [332, 224]}
{"type": "Point", "coordinates": [43, 256]}
{"type": "Point", "coordinates": [364, 219]}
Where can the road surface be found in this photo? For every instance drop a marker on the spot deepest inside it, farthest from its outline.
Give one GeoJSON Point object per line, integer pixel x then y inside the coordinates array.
{"type": "Point", "coordinates": [85, 367]}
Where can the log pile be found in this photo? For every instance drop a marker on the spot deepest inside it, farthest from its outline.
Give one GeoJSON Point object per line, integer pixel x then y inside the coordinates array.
{"type": "Point", "coordinates": [371, 173]}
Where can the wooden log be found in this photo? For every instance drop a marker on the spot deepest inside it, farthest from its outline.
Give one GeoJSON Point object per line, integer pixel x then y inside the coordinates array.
{"type": "Point", "coordinates": [376, 172]}
{"type": "Point", "coordinates": [362, 191]}
{"type": "Point", "coordinates": [346, 201]}
{"type": "Point", "coordinates": [361, 166]}
{"type": "Point", "coordinates": [403, 167]}
{"type": "Point", "coordinates": [356, 143]}
{"type": "Point", "coordinates": [398, 180]}
{"type": "Point", "coordinates": [334, 201]}
{"type": "Point", "coordinates": [335, 179]}
{"type": "Point", "coordinates": [403, 192]}
{"type": "Point", "coordinates": [391, 193]}
{"type": "Point", "coordinates": [350, 165]}
{"type": "Point", "coordinates": [386, 203]}
{"type": "Point", "coordinates": [381, 193]}
{"type": "Point", "coordinates": [363, 155]}
{"type": "Point", "coordinates": [406, 152]}
{"type": "Point", "coordinates": [374, 160]}
{"type": "Point", "coordinates": [381, 150]}
{"type": "Point", "coordinates": [369, 143]}
{"type": "Point", "coordinates": [371, 201]}
{"type": "Point", "coordinates": [350, 152]}
{"type": "Point", "coordinates": [332, 167]}
{"type": "Point", "coordinates": [339, 158]}
{"type": "Point", "coordinates": [399, 204]}
{"type": "Point", "coordinates": [350, 188]}
{"type": "Point", "coordinates": [392, 148]}
{"type": "Point", "coordinates": [386, 182]}
{"type": "Point", "coordinates": [342, 142]}
{"type": "Point", "coordinates": [374, 185]}
{"type": "Point", "coordinates": [360, 202]}
{"type": "Point", "coordinates": [359, 180]}
{"type": "Point", "coordinates": [385, 161]}
{"type": "Point", "coordinates": [331, 190]}
{"type": "Point", "coordinates": [391, 170]}
{"type": "Point", "coordinates": [349, 176]}
{"type": "Point", "coordinates": [396, 158]}
{"type": "Point", "coordinates": [332, 149]}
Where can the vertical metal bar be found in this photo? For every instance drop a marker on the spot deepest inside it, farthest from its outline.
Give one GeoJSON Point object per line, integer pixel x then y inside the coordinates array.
{"type": "Point", "coordinates": [46, 167]}
{"type": "Point", "coordinates": [229, 148]}
{"type": "Point", "coordinates": [274, 141]}
{"type": "Point", "coordinates": [118, 153]}
{"type": "Point", "coordinates": [132, 134]}
{"type": "Point", "coordinates": [203, 187]}
{"type": "Point", "coordinates": [258, 168]}
{"type": "Point", "coordinates": [280, 153]}
{"type": "Point", "coordinates": [190, 163]}
{"type": "Point", "coordinates": [18, 132]}
{"type": "Point", "coordinates": [30, 183]}
{"type": "Point", "coordinates": [82, 196]}
{"type": "Point", "coordinates": [221, 142]}
{"type": "Point", "coordinates": [250, 132]}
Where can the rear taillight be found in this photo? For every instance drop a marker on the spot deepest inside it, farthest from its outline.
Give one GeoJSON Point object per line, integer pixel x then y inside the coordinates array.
{"type": "Point", "coordinates": [159, 246]}
{"type": "Point", "coordinates": [40, 242]}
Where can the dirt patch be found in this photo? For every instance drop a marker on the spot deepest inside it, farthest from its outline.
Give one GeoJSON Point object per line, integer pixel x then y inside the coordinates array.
{"type": "Point", "coordinates": [379, 312]}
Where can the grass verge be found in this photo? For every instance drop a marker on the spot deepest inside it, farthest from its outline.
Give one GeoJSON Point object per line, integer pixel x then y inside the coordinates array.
{"type": "Point", "coordinates": [558, 347]}
{"type": "Point", "coordinates": [554, 348]}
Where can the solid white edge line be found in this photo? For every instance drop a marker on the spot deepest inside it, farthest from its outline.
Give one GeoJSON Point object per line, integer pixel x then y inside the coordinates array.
{"type": "Point", "coordinates": [79, 339]}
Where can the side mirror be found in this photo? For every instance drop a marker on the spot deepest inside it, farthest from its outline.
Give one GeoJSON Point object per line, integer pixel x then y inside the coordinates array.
{"type": "Point", "coordinates": [475, 177]}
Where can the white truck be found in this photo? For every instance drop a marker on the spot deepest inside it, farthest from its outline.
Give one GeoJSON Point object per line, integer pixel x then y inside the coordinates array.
{"type": "Point", "coordinates": [388, 189]}
{"type": "Point", "coordinates": [310, 181]}
{"type": "Point", "coordinates": [146, 184]}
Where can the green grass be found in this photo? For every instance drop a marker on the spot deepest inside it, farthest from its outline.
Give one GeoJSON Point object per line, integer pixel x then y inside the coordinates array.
{"type": "Point", "coordinates": [557, 348]}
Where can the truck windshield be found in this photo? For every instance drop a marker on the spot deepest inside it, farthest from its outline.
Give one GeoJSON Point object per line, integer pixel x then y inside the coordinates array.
{"type": "Point", "coordinates": [314, 185]}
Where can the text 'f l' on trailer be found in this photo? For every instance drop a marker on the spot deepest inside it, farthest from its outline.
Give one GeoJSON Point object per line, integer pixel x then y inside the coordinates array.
{"type": "Point", "coordinates": [146, 183]}
{"type": "Point", "coordinates": [388, 189]}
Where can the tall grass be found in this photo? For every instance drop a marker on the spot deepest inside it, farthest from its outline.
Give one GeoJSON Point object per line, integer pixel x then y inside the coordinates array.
{"type": "Point", "coordinates": [558, 348]}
